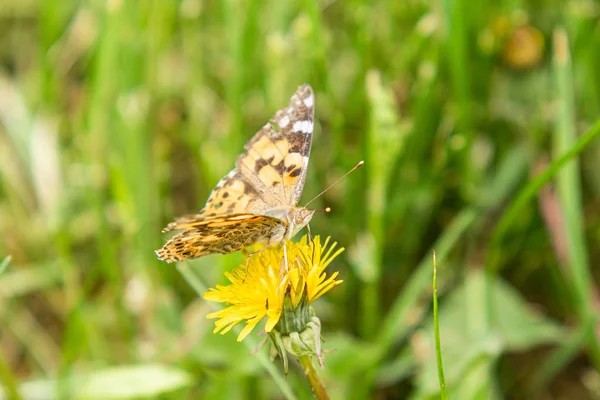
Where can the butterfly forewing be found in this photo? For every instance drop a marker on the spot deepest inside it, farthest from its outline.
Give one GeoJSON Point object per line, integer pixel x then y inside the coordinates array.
{"type": "Point", "coordinates": [234, 194]}
{"type": "Point", "coordinates": [271, 171]}
{"type": "Point", "coordinates": [276, 158]}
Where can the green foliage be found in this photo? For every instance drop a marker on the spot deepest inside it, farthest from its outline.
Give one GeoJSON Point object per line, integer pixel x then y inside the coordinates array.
{"type": "Point", "coordinates": [478, 125]}
{"type": "Point", "coordinates": [4, 264]}
{"type": "Point", "coordinates": [436, 332]}
{"type": "Point", "coordinates": [123, 382]}
{"type": "Point", "coordinates": [468, 337]}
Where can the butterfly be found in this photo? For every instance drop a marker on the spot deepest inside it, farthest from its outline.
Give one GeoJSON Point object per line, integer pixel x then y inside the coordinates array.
{"type": "Point", "coordinates": [255, 203]}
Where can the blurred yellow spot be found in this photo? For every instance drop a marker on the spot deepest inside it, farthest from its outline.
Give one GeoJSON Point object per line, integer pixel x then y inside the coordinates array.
{"type": "Point", "coordinates": [524, 48]}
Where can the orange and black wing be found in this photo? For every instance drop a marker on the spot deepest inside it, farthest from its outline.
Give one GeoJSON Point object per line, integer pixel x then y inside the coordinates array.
{"type": "Point", "coordinates": [226, 234]}
{"type": "Point", "coordinates": [270, 173]}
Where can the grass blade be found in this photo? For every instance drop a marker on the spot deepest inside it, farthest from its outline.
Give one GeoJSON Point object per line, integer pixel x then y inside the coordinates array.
{"type": "Point", "coordinates": [4, 264]}
{"type": "Point", "coordinates": [568, 182]}
{"type": "Point", "coordinates": [436, 328]}
{"type": "Point", "coordinates": [532, 188]}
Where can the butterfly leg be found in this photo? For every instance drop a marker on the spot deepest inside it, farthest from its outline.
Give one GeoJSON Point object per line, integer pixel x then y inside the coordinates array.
{"type": "Point", "coordinates": [310, 238]}
{"type": "Point", "coordinates": [284, 266]}
{"type": "Point", "coordinates": [310, 241]}
{"type": "Point", "coordinates": [248, 255]}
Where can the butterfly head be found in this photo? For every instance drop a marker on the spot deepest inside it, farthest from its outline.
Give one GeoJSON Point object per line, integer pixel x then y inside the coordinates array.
{"type": "Point", "coordinates": [300, 218]}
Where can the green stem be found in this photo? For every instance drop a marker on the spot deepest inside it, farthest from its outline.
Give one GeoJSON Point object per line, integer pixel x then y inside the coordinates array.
{"type": "Point", "coordinates": [569, 189]}
{"type": "Point", "coordinates": [4, 264]}
{"type": "Point", "coordinates": [313, 378]}
{"type": "Point", "coordinates": [436, 328]}
{"type": "Point", "coordinates": [10, 383]}
{"type": "Point", "coordinates": [528, 192]}
{"type": "Point", "coordinates": [199, 287]}
{"type": "Point", "coordinates": [370, 306]}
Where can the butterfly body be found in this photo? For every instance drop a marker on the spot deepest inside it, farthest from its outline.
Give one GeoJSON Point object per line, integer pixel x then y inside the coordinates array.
{"type": "Point", "coordinates": [256, 202]}
{"type": "Point", "coordinates": [296, 218]}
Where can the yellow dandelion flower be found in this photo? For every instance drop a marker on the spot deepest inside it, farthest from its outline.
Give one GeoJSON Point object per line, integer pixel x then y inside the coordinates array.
{"type": "Point", "coordinates": [310, 274]}
{"type": "Point", "coordinates": [259, 289]}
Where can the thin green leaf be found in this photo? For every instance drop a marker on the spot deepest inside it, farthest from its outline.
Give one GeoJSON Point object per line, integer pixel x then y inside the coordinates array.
{"type": "Point", "coordinates": [531, 190]}
{"type": "Point", "coordinates": [4, 264]}
{"type": "Point", "coordinates": [436, 327]}
{"type": "Point", "coordinates": [513, 326]}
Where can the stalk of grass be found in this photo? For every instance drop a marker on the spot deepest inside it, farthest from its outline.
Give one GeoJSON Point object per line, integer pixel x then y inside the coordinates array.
{"type": "Point", "coordinates": [196, 130]}
{"type": "Point", "coordinates": [316, 45]}
{"type": "Point", "coordinates": [567, 179]}
{"type": "Point", "coordinates": [38, 343]}
{"type": "Point", "coordinates": [141, 83]}
{"type": "Point", "coordinates": [200, 288]}
{"type": "Point", "coordinates": [395, 325]}
{"type": "Point", "coordinates": [278, 71]}
{"type": "Point", "coordinates": [384, 133]}
{"type": "Point", "coordinates": [436, 328]}
{"type": "Point", "coordinates": [57, 28]}
{"type": "Point", "coordinates": [233, 13]}
{"type": "Point", "coordinates": [512, 213]}
{"type": "Point", "coordinates": [102, 89]}
{"type": "Point", "coordinates": [94, 155]}
{"type": "Point", "coordinates": [9, 381]}
{"type": "Point", "coordinates": [510, 173]}
{"type": "Point", "coordinates": [571, 204]}
{"type": "Point", "coordinates": [6, 375]}
{"type": "Point", "coordinates": [553, 364]}
{"type": "Point", "coordinates": [136, 147]}
{"type": "Point", "coordinates": [4, 264]}
{"type": "Point", "coordinates": [457, 14]}
{"type": "Point", "coordinates": [530, 190]}
{"type": "Point", "coordinates": [569, 191]}
{"type": "Point", "coordinates": [25, 281]}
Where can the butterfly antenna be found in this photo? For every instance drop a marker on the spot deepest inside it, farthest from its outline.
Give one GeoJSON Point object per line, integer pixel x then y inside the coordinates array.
{"type": "Point", "coordinates": [335, 183]}
{"type": "Point", "coordinates": [325, 210]}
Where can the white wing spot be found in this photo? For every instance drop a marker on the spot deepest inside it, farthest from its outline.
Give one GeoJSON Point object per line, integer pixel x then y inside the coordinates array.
{"type": "Point", "coordinates": [238, 217]}
{"type": "Point", "coordinates": [309, 101]}
{"type": "Point", "coordinates": [284, 121]}
{"type": "Point", "coordinates": [303, 126]}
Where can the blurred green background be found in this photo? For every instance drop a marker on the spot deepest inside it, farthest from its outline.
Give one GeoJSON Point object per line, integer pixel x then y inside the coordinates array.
{"type": "Point", "coordinates": [116, 116]}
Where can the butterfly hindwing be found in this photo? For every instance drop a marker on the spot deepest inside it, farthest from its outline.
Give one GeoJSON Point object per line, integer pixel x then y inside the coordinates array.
{"type": "Point", "coordinates": [217, 235]}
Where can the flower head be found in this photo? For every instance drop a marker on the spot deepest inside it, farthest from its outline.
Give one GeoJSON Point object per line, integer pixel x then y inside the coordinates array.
{"type": "Point", "coordinates": [266, 287]}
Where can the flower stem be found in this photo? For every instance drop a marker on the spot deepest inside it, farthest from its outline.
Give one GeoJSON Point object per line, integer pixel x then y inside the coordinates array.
{"type": "Point", "coordinates": [313, 378]}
